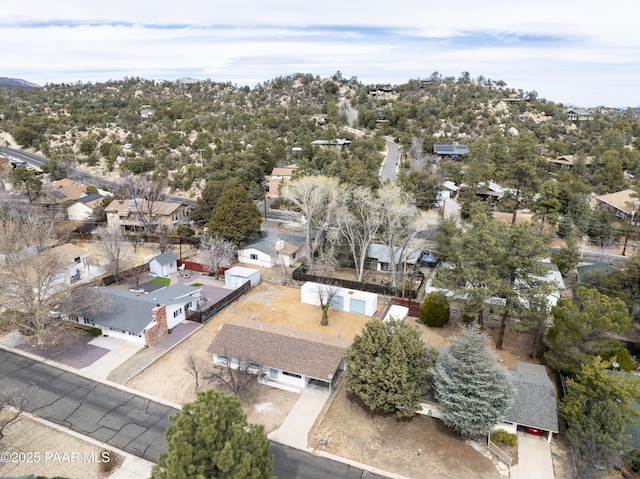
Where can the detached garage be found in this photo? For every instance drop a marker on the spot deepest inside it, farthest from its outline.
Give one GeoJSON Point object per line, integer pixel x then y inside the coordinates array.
{"type": "Point", "coordinates": [349, 300]}
{"type": "Point", "coordinates": [238, 275]}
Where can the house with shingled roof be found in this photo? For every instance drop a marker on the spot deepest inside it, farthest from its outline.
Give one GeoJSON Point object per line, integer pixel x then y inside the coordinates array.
{"type": "Point", "coordinates": [271, 249]}
{"type": "Point", "coordinates": [143, 318]}
{"type": "Point", "coordinates": [534, 400]}
{"type": "Point", "coordinates": [282, 357]}
{"type": "Point", "coordinates": [620, 204]}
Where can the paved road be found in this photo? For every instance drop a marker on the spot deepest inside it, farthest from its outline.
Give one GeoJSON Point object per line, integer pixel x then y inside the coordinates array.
{"type": "Point", "coordinates": [42, 162]}
{"type": "Point", "coordinates": [128, 421]}
{"type": "Point", "coordinates": [390, 163]}
{"type": "Point", "coordinates": [591, 257]}
{"type": "Point", "coordinates": [352, 115]}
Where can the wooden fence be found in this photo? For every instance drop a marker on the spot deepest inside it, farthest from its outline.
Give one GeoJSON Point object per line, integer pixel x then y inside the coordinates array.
{"type": "Point", "coordinates": [200, 268]}
{"type": "Point", "coordinates": [499, 452]}
{"type": "Point", "coordinates": [207, 314]}
{"type": "Point", "coordinates": [414, 307]}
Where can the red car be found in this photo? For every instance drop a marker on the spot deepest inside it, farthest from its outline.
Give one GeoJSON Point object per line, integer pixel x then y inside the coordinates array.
{"type": "Point", "coordinates": [534, 431]}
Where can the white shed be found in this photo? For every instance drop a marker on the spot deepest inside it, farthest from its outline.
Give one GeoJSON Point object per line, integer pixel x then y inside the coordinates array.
{"type": "Point", "coordinates": [397, 312]}
{"type": "Point", "coordinates": [238, 275]}
{"type": "Point", "coordinates": [350, 300]}
{"type": "Point", "coordinates": [164, 264]}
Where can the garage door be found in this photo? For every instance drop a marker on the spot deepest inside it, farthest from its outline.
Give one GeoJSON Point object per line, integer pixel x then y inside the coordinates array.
{"type": "Point", "coordinates": [337, 302]}
{"type": "Point", "coordinates": [357, 306]}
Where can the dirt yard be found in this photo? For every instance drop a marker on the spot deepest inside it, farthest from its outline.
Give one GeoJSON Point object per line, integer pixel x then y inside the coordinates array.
{"type": "Point", "coordinates": [416, 448]}
{"type": "Point", "coordinates": [36, 448]}
{"type": "Point", "coordinates": [268, 303]}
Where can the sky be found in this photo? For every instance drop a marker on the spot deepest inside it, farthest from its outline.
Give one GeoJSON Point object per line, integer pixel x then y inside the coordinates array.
{"type": "Point", "coordinates": [584, 53]}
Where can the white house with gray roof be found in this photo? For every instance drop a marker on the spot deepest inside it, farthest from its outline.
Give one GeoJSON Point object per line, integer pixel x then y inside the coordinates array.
{"type": "Point", "coordinates": [282, 357]}
{"type": "Point", "coordinates": [272, 249]}
{"type": "Point", "coordinates": [144, 318]}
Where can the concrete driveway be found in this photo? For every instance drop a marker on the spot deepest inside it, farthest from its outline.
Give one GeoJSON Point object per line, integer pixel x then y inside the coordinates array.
{"type": "Point", "coordinates": [534, 458]}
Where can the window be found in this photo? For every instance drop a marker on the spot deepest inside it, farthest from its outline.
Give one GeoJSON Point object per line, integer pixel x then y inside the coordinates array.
{"type": "Point", "coordinates": [177, 312]}
{"type": "Point", "coordinates": [253, 256]}
{"type": "Point", "coordinates": [175, 217]}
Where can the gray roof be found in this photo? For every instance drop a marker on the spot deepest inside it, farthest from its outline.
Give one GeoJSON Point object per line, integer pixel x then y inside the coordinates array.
{"type": "Point", "coordinates": [450, 149]}
{"type": "Point", "coordinates": [131, 312]}
{"type": "Point", "coordinates": [300, 352]}
{"type": "Point", "coordinates": [534, 400]}
{"type": "Point", "coordinates": [90, 198]}
{"type": "Point", "coordinates": [166, 258]}
{"type": "Point", "coordinates": [383, 254]}
{"type": "Point", "coordinates": [267, 243]}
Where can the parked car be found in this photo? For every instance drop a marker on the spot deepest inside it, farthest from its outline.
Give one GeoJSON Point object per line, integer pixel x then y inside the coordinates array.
{"type": "Point", "coordinates": [428, 259]}
{"type": "Point", "coordinates": [534, 430]}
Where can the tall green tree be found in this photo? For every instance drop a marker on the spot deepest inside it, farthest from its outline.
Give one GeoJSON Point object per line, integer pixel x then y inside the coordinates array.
{"type": "Point", "coordinates": [582, 326]}
{"type": "Point", "coordinates": [208, 199]}
{"type": "Point", "coordinates": [28, 181]}
{"type": "Point", "coordinates": [388, 366]}
{"type": "Point", "coordinates": [598, 408]}
{"type": "Point", "coordinates": [235, 216]}
{"type": "Point", "coordinates": [210, 438]}
{"type": "Point", "coordinates": [472, 388]}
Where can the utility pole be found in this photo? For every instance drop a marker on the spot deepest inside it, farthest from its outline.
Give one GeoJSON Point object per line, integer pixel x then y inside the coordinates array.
{"type": "Point", "coordinates": [626, 236]}
{"type": "Point", "coordinates": [264, 197]}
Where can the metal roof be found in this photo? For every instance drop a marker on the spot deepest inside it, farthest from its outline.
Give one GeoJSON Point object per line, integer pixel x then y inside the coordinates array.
{"type": "Point", "coordinates": [450, 149]}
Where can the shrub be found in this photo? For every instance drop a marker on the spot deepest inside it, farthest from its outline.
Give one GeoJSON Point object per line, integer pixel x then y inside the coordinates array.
{"type": "Point", "coordinates": [619, 354]}
{"type": "Point", "coordinates": [435, 310]}
{"type": "Point", "coordinates": [503, 437]}
{"type": "Point", "coordinates": [95, 332]}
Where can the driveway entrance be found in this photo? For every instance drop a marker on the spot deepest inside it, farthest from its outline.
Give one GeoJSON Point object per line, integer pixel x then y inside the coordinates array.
{"type": "Point", "coordinates": [534, 458]}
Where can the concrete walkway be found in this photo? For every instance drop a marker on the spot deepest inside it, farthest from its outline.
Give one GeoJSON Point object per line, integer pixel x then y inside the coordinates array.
{"type": "Point", "coordinates": [294, 430]}
{"type": "Point", "coordinates": [534, 457]}
{"type": "Point", "coordinates": [120, 350]}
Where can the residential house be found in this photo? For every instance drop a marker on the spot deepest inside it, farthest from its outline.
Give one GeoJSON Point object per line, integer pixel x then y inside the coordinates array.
{"type": "Point", "coordinates": [449, 190]}
{"type": "Point", "coordinates": [450, 150]}
{"type": "Point", "coordinates": [490, 191]}
{"type": "Point", "coordinates": [272, 249]}
{"type": "Point", "coordinates": [534, 400]}
{"type": "Point", "coordinates": [568, 162]}
{"type": "Point", "coordinates": [85, 208]}
{"type": "Point", "coordinates": [282, 357]}
{"type": "Point", "coordinates": [576, 114]}
{"type": "Point", "coordinates": [338, 144]}
{"type": "Point", "coordinates": [146, 113]}
{"type": "Point", "coordinates": [379, 257]}
{"type": "Point", "coordinates": [62, 192]}
{"type": "Point", "coordinates": [620, 204]}
{"type": "Point", "coordinates": [130, 215]}
{"type": "Point", "coordinates": [143, 318]}
{"type": "Point", "coordinates": [278, 176]}
{"type": "Point", "coordinates": [163, 265]}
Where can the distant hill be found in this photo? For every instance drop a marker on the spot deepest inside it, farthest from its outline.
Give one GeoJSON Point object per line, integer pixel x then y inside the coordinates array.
{"type": "Point", "coordinates": [16, 83]}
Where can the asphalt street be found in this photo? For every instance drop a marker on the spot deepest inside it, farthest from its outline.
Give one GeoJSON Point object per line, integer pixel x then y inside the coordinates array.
{"type": "Point", "coordinates": [127, 421]}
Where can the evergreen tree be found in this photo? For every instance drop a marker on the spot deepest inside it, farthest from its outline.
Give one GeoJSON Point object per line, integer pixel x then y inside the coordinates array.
{"type": "Point", "coordinates": [582, 326]}
{"type": "Point", "coordinates": [208, 199]}
{"type": "Point", "coordinates": [474, 391]}
{"type": "Point", "coordinates": [435, 310]}
{"type": "Point", "coordinates": [235, 216]}
{"type": "Point", "coordinates": [210, 438]}
{"type": "Point", "coordinates": [388, 366]}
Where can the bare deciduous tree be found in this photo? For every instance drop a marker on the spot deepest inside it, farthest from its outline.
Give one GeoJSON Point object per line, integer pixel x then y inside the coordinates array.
{"type": "Point", "coordinates": [116, 252]}
{"type": "Point", "coordinates": [399, 225]}
{"type": "Point", "coordinates": [218, 252]}
{"type": "Point", "coordinates": [359, 218]}
{"type": "Point", "coordinates": [145, 196]}
{"type": "Point", "coordinates": [326, 293]}
{"type": "Point", "coordinates": [194, 367]}
{"type": "Point", "coordinates": [235, 380]}
{"type": "Point", "coordinates": [33, 281]}
{"type": "Point", "coordinates": [313, 200]}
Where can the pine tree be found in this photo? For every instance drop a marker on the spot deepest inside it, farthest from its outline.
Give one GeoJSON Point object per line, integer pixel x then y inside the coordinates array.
{"type": "Point", "coordinates": [210, 438]}
{"type": "Point", "coordinates": [388, 366]}
{"type": "Point", "coordinates": [235, 216]}
{"type": "Point", "coordinates": [473, 390]}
